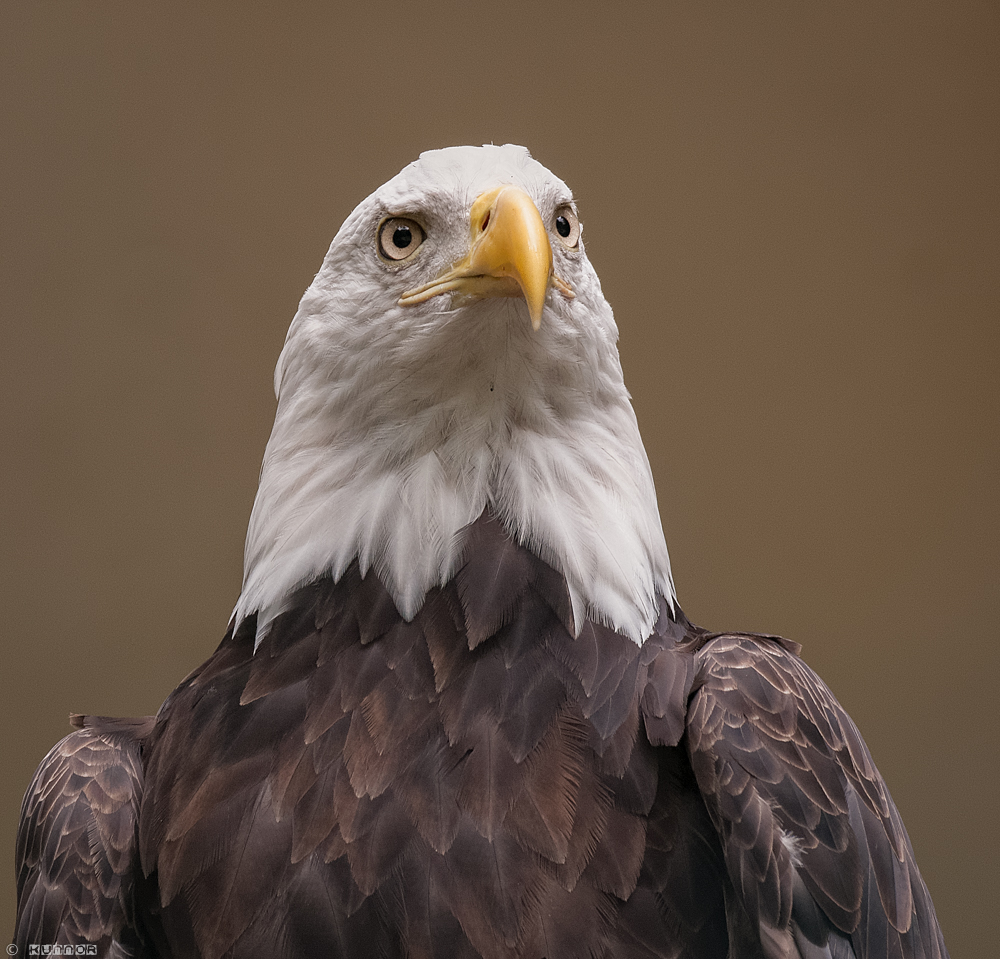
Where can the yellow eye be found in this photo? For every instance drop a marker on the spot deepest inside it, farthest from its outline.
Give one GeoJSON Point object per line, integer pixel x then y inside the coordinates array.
{"type": "Point", "coordinates": [399, 237]}
{"type": "Point", "coordinates": [567, 227]}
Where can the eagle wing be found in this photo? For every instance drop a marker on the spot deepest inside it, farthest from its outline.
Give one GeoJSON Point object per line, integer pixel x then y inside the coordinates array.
{"type": "Point", "coordinates": [818, 862]}
{"type": "Point", "coordinates": [76, 852]}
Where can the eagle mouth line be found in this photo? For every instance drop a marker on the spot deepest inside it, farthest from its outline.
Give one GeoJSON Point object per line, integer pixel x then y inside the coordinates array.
{"type": "Point", "coordinates": [480, 285]}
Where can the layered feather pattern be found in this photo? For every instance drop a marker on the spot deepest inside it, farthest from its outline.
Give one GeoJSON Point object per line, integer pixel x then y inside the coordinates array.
{"type": "Point", "coordinates": [477, 773]}
{"type": "Point", "coordinates": [77, 851]}
{"type": "Point", "coordinates": [476, 782]}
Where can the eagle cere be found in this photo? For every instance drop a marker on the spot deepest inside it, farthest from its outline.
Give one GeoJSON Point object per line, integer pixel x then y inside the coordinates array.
{"type": "Point", "coordinates": [458, 711]}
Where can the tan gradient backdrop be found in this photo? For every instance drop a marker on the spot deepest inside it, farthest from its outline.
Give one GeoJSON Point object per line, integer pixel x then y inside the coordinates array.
{"type": "Point", "coordinates": [793, 209]}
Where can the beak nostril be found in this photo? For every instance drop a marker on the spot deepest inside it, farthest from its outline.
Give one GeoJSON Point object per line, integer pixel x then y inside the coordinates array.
{"type": "Point", "coordinates": [486, 221]}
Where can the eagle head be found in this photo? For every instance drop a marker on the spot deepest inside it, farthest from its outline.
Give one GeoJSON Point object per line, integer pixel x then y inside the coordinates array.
{"type": "Point", "coordinates": [455, 354]}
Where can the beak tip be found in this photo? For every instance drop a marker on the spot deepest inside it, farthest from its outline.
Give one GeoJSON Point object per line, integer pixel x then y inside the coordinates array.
{"type": "Point", "coordinates": [536, 306]}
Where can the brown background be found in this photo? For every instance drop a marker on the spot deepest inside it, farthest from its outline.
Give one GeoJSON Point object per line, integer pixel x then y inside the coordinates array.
{"type": "Point", "coordinates": [794, 211]}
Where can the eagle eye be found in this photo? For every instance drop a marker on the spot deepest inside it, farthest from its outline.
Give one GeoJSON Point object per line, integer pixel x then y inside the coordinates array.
{"type": "Point", "coordinates": [399, 237]}
{"type": "Point", "coordinates": [567, 227]}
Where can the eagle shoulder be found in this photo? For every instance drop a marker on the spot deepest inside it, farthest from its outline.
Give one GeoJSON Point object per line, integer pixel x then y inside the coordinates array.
{"type": "Point", "coordinates": [817, 860]}
{"type": "Point", "coordinates": [76, 856]}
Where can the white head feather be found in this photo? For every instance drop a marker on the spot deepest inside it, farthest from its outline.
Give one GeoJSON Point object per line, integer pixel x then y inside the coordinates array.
{"type": "Point", "coordinates": [398, 425]}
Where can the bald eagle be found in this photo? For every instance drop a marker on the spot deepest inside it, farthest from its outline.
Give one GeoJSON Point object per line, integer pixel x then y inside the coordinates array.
{"type": "Point", "coordinates": [458, 711]}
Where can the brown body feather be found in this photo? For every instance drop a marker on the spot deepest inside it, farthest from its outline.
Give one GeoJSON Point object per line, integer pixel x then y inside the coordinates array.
{"type": "Point", "coordinates": [475, 783]}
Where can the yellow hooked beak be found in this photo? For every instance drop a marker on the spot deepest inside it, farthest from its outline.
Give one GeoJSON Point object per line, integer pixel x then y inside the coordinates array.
{"type": "Point", "coordinates": [509, 255]}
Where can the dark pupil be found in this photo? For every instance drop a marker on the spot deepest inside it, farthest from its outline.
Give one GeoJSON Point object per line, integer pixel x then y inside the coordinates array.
{"type": "Point", "coordinates": [562, 226]}
{"type": "Point", "coordinates": [402, 237]}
